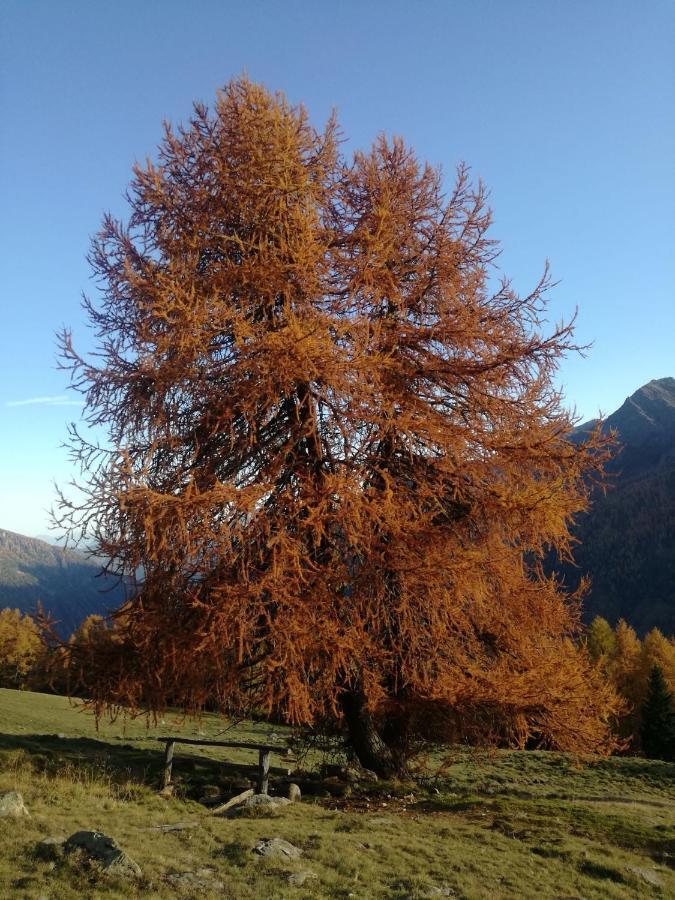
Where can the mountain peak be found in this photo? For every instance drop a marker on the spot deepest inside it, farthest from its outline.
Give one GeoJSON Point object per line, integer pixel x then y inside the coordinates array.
{"type": "Point", "coordinates": [646, 416]}
{"type": "Point", "coordinates": [660, 390]}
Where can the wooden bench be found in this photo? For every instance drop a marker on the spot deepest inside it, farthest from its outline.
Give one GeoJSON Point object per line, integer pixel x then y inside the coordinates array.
{"type": "Point", "coordinates": [262, 769]}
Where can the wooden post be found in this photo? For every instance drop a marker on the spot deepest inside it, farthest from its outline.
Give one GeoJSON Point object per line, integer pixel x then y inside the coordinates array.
{"type": "Point", "coordinates": [168, 764]}
{"type": "Point", "coordinates": [264, 771]}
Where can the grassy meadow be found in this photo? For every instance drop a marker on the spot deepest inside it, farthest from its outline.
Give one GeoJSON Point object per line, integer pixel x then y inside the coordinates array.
{"type": "Point", "coordinates": [508, 824]}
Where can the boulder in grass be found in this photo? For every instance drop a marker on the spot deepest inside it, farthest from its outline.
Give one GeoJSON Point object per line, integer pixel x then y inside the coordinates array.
{"type": "Point", "coordinates": [651, 876]}
{"type": "Point", "coordinates": [257, 804]}
{"type": "Point", "coordinates": [12, 806]}
{"type": "Point", "coordinates": [100, 848]}
{"type": "Point", "coordinates": [294, 792]}
{"type": "Point", "coordinates": [264, 800]}
{"type": "Point", "coordinates": [277, 848]}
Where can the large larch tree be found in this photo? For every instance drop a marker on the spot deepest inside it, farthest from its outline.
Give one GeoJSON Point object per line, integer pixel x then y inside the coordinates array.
{"type": "Point", "coordinates": [335, 454]}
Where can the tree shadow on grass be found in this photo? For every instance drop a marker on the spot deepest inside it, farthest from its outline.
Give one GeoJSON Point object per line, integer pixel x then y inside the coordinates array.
{"type": "Point", "coordinates": [638, 768]}
{"type": "Point", "coordinates": [53, 755]}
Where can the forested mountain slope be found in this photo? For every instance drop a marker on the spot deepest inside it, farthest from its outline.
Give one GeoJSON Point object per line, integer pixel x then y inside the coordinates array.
{"type": "Point", "coordinates": [628, 539]}
{"type": "Point", "coordinates": [66, 582]}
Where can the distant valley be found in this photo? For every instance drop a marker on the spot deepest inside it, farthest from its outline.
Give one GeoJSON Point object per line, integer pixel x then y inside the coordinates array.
{"type": "Point", "coordinates": [67, 583]}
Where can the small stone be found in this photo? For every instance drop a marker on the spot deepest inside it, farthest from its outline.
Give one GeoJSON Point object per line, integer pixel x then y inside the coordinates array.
{"type": "Point", "coordinates": [294, 793]}
{"type": "Point", "coordinates": [277, 847]}
{"type": "Point", "coordinates": [176, 826]}
{"type": "Point", "coordinates": [195, 883]}
{"type": "Point", "coordinates": [299, 878]}
{"type": "Point", "coordinates": [122, 866]}
{"type": "Point", "coordinates": [12, 806]}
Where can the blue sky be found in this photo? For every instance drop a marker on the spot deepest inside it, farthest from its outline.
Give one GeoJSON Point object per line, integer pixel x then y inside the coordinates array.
{"type": "Point", "coordinates": [564, 109]}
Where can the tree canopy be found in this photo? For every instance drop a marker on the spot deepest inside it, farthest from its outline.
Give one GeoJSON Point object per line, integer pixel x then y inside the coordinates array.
{"type": "Point", "coordinates": [336, 452]}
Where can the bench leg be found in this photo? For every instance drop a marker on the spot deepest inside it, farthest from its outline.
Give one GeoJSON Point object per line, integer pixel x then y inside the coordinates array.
{"type": "Point", "coordinates": [263, 771]}
{"type": "Point", "coordinates": [168, 764]}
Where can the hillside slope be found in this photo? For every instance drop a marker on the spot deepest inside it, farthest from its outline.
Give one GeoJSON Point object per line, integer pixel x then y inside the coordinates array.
{"type": "Point", "coordinates": [509, 825]}
{"type": "Point", "coordinates": [66, 582]}
{"type": "Point", "coordinates": [628, 539]}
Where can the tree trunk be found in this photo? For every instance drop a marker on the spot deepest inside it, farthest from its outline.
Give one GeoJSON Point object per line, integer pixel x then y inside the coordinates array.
{"type": "Point", "coordinates": [367, 743]}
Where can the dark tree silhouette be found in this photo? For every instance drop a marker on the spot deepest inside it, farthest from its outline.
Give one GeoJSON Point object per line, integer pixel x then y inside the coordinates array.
{"type": "Point", "coordinates": [658, 719]}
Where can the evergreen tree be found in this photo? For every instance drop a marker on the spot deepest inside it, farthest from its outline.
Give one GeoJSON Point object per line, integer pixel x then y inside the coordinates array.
{"type": "Point", "coordinates": [658, 719]}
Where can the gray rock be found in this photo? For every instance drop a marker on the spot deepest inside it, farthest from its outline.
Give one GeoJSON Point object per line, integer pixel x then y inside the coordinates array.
{"type": "Point", "coordinates": [102, 849]}
{"type": "Point", "coordinates": [254, 804]}
{"type": "Point", "coordinates": [194, 883]}
{"type": "Point", "coordinates": [648, 875]}
{"type": "Point", "coordinates": [50, 849]}
{"type": "Point", "coordinates": [294, 793]}
{"type": "Point", "coordinates": [262, 800]}
{"type": "Point", "coordinates": [12, 806]}
{"type": "Point", "coordinates": [277, 848]}
{"type": "Point", "coordinates": [297, 879]}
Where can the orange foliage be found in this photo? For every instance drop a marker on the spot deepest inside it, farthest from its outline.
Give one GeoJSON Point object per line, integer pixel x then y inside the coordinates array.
{"type": "Point", "coordinates": [337, 455]}
{"type": "Point", "coordinates": [21, 648]}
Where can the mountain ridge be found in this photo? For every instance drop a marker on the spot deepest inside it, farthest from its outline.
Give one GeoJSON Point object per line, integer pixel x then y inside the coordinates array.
{"type": "Point", "coordinates": [68, 584]}
{"type": "Point", "coordinates": [627, 539]}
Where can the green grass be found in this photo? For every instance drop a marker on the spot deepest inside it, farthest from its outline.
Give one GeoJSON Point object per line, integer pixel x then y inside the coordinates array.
{"type": "Point", "coordinates": [489, 826]}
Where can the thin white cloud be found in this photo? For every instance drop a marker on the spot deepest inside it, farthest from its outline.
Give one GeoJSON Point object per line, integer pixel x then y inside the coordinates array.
{"type": "Point", "coordinates": [60, 400]}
